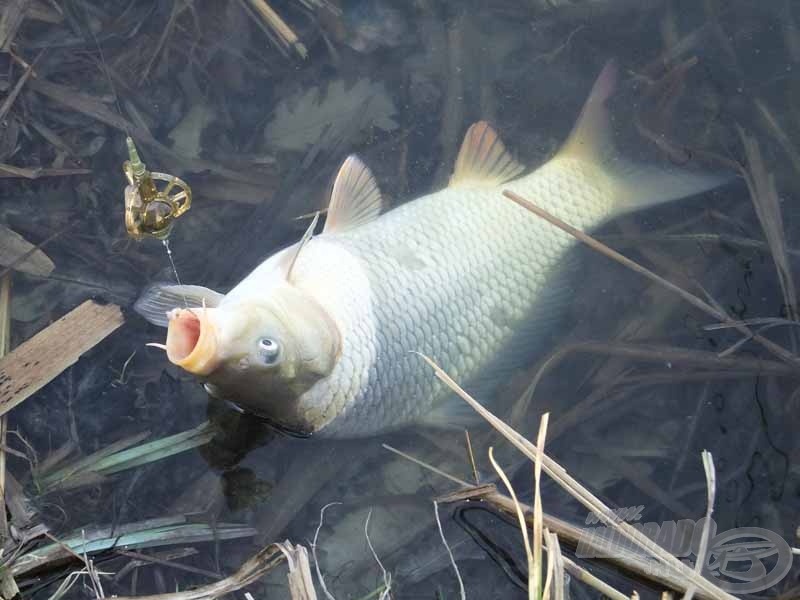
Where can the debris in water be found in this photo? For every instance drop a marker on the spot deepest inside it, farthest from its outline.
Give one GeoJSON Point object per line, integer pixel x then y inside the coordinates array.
{"type": "Point", "coordinates": [17, 252]}
{"type": "Point", "coordinates": [163, 531]}
{"type": "Point", "coordinates": [337, 113]}
{"type": "Point", "coordinates": [43, 357]}
{"type": "Point", "coordinates": [121, 456]}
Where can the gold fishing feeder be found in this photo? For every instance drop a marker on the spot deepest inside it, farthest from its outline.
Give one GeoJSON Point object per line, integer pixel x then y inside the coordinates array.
{"type": "Point", "coordinates": [150, 212]}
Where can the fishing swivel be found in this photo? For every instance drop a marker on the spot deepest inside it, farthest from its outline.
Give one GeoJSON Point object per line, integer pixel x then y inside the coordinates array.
{"type": "Point", "coordinates": [148, 210]}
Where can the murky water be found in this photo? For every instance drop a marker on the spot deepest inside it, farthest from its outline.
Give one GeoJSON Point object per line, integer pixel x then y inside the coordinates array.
{"type": "Point", "coordinates": [258, 132]}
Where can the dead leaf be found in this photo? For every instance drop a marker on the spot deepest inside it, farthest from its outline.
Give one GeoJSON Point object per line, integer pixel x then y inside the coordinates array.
{"type": "Point", "coordinates": [13, 251]}
{"type": "Point", "coordinates": [302, 119]}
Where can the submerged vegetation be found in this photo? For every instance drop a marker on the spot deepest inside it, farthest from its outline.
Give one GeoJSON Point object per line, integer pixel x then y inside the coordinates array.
{"type": "Point", "coordinates": [120, 477]}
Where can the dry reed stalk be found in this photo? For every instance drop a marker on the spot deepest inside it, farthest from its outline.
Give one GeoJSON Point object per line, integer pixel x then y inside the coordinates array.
{"type": "Point", "coordinates": [301, 585]}
{"type": "Point", "coordinates": [284, 34]}
{"type": "Point", "coordinates": [670, 563]}
{"type": "Point", "coordinates": [252, 570]}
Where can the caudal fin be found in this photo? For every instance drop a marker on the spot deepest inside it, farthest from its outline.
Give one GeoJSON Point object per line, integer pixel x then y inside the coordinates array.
{"type": "Point", "coordinates": [641, 186]}
{"type": "Point", "coordinates": [634, 186]}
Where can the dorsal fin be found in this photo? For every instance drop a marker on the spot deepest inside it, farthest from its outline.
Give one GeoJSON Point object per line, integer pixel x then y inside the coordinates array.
{"type": "Point", "coordinates": [355, 199]}
{"type": "Point", "coordinates": [591, 137]}
{"type": "Point", "coordinates": [483, 159]}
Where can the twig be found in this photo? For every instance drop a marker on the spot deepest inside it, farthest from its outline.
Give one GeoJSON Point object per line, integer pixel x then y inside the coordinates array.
{"type": "Point", "coordinates": [168, 555]}
{"type": "Point", "coordinates": [537, 503]}
{"type": "Point", "coordinates": [523, 527]}
{"type": "Point", "coordinates": [278, 26]}
{"type": "Point", "coordinates": [12, 96]}
{"type": "Point", "coordinates": [94, 578]}
{"type": "Point", "coordinates": [10, 171]}
{"type": "Point", "coordinates": [449, 551]}
{"type": "Point", "coordinates": [328, 595]}
{"type": "Point", "coordinates": [252, 570]}
{"type": "Point", "coordinates": [472, 458]}
{"type": "Point", "coordinates": [387, 577]}
{"type": "Point", "coordinates": [147, 558]}
{"type": "Point", "coordinates": [301, 586]}
{"type": "Point", "coordinates": [711, 486]}
{"type": "Point", "coordinates": [761, 185]}
{"type": "Point", "coordinates": [776, 130]}
{"type": "Point", "coordinates": [586, 577]}
{"type": "Point", "coordinates": [556, 559]}
{"type": "Point", "coordinates": [426, 465]}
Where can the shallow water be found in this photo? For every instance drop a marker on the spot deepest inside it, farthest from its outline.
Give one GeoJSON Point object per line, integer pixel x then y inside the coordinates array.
{"type": "Point", "coordinates": [259, 133]}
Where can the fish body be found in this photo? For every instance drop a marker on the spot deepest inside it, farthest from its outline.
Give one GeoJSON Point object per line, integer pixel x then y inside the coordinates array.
{"type": "Point", "coordinates": [462, 275]}
{"type": "Point", "coordinates": [453, 275]}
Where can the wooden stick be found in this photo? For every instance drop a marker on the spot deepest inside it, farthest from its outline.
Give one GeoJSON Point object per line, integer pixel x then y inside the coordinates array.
{"type": "Point", "coordinates": [248, 573]}
{"type": "Point", "coordinates": [10, 171]}
{"type": "Point", "coordinates": [279, 27]}
{"type": "Point", "coordinates": [42, 358]}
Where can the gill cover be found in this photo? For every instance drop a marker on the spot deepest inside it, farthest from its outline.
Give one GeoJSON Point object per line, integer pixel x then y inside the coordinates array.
{"type": "Point", "coordinates": [308, 343]}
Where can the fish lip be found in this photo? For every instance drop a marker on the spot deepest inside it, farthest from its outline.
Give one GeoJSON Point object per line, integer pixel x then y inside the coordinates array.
{"type": "Point", "coordinates": [192, 341]}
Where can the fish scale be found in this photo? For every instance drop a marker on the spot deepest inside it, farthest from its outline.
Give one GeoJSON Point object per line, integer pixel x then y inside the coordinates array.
{"type": "Point", "coordinates": [482, 251]}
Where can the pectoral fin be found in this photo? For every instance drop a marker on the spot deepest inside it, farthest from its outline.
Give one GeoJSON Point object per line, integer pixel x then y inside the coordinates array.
{"type": "Point", "coordinates": [158, 299]}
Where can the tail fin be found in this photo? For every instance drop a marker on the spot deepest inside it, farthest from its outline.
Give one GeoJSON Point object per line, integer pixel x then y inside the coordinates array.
{"type": "Point", "coordinates": [591, 138]}
{"type": "Point", "coordinates": [634, 186]}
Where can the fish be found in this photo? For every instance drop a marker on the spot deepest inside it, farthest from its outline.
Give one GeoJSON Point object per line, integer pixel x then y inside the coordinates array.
{"type": "Point", "coordinates": [324, 337]}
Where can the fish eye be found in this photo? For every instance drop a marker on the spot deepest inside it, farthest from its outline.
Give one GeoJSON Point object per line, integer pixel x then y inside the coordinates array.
{"type": "Point", "coordinates": [268, 349]}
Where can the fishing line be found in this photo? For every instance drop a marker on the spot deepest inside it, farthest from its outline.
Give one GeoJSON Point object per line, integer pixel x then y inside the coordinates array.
{"type": "Point", "coordinates": [104, 68]}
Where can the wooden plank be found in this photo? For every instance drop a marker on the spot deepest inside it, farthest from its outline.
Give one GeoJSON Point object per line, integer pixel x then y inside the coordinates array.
{"type": "Point", "coordinates": [42, 358]}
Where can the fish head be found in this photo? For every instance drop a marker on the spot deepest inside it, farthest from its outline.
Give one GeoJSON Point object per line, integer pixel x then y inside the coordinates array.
{"type": "Point", "coordinates": [262, 354]}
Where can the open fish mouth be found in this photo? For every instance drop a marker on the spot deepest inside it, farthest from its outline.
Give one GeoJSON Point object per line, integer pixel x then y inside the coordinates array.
{"type": "Point", "coordinates": [192, 341]}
